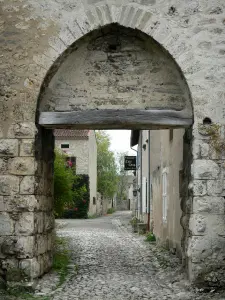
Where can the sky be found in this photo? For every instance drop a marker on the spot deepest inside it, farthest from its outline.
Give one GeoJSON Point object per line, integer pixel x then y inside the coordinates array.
{"type": "Point", "coordinates": [120, 141]}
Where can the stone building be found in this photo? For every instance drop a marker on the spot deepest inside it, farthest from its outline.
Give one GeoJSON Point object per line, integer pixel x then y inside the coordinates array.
{"type": "Point", "coordinates": [81, 146]}
{"type": "Point", "coordinates": [109, 64]}
{"type": "Point", "coordinates": [160, 184]}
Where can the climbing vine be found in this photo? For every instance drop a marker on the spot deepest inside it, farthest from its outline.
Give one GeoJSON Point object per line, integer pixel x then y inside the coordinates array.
{"type": "Point", "coordinates": [213, 131]}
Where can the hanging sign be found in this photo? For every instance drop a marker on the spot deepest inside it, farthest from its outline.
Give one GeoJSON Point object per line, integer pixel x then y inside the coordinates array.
{"type": "Point", "coordinates": [130, 163]}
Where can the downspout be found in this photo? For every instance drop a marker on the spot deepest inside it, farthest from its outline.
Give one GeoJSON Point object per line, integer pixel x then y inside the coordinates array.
{"type": "Point", "coordinates": [149, 180]}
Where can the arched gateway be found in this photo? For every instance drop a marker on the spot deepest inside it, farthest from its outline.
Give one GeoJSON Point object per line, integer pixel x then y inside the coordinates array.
{"type": "Point", "coordinates": [106, 65]}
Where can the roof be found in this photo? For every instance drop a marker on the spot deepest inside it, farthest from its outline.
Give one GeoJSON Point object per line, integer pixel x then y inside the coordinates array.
{"type": "Point", "coordinates": [71, 133]}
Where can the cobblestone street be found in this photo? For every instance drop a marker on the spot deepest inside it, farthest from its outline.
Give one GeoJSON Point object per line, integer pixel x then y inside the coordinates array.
{"type": "Point", "coordinates": [114, 263]}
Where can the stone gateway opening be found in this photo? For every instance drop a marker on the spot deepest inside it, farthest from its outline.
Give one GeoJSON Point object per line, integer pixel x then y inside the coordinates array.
{"type": "Point", "coordinates": [98, 65]}
{"type": "Point", "coordinates": [113, 77]}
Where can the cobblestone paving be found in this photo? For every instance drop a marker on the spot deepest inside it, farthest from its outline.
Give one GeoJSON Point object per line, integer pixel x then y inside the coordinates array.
{"type": "Point", "coordinates": [114, 264]}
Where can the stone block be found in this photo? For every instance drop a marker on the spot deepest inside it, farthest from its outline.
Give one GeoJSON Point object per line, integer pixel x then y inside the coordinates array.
{"type": "Point", "coordinates": [13, 272]}
{"type": "Point", "coordinates": [49, 221]}
{"type": "Point", "coordinates": [6, 224]}
{"type": "Point", "coordinates": [199, 248]}
{"type": "Point", "coordinates": [20, 203]}
{"type": "Point", "coordinates": [27, 185]}
{"type": "Point", "coordinates": [20, 247]}
{"type": "Point", "coordinates": [22, 166]}
{"type": "Point", "coordinates": [50, 240]}
{"type": "Point", "coordinates": [207, 204]}
{"type": "Point", "coordinates": [205, 169]}
{"type": "Point", "coordinates": [3, 166]}
{"type": "Point", "coordinates": [25, 224]}
{"type": "Point", "coordinates": [207, 224]}
{"type": "Point", "coordinates": [30, 267]}
{"type": "Point", "coordinates": [41, 244]}
{"type": "Point", "coordinates": [25, 247]}
{"type": "Point", "coordinates": [39, 222]}
{"type": "Point", "coordinates": [215, 187]}
{"type": "Point", "coordinates": [9, 147]}
{"type": "Point", "coordinates": [9, 185]}
{"type": "Point", "coordinates": [197, 224]}
{"type": "Point", "coordinates": [27, 147]}
{"type": "Point", "coordinates": [199, 187]}
{"type": "Point", "coordinates": [23, 130]}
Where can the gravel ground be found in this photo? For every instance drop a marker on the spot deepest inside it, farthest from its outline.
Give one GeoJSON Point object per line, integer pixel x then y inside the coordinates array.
{"type": "Point", "coordinates": [113, 263]}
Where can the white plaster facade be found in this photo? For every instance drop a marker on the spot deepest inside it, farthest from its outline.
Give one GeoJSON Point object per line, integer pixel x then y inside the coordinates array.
{"type": "Point", "coordinates": [82, 145]}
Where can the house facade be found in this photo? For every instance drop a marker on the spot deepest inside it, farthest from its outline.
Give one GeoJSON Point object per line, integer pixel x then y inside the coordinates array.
{"type": "Point", "coordinates": [81, 148]}
{"type": "Point", "coordinates": [160, 184]}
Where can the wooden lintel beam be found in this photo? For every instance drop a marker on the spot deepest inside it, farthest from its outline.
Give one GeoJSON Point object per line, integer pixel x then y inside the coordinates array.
{"type": "Point", "coordinates": [114, 118]}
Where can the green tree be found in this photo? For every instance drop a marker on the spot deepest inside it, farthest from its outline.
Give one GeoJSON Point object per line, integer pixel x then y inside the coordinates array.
{"type": "Point", "coordinates": [106, 166]}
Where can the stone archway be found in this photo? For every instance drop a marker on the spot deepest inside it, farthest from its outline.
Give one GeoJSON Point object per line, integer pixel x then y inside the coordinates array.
{"type": "Point", "coordinates": [44, 35]}
{"type": "Point", "coordinates": [113, 77]}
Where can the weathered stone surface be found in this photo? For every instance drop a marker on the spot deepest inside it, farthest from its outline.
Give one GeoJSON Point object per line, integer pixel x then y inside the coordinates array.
{"type": "Point", "coordinates": [27, 185]}
{"type": "Point", "coordinates": [199, 187]}
{"type": "Point", "coordinates": [207, 204]}
{"type": "Point", "coordinates": [25, 247]}
{"type": "Point", "coordinates": [6, 224]}
{"type": "Point", "coordinates": [205, 169]}
{"type": "Point", "coordinates": [27, 147]}
{"type": "Point", "coordinates": [39, 222]}
{"type": "Point", "coordinates": [19, 203]}
{"type": "Point", "coordinates": [22, 166]}
{"type": "Point", "coordinates": [9, 147]}
{"type": "Point", "coordinates": [20, 247]}
{"type": "Point", "coordinates": [25, 224]}
{"type": "Point", "coordinates": [215, 187]}
{"type": "Point", "coordinates": [199, 248]}
{"type": "Point", "coordinates": [30, 267]}
{"type": "Point", "coordinates": [9, 185]}
{"type": "Point", "coordinates": [41, 244]}
{"type": "Point", "coordinates": [23, 130]}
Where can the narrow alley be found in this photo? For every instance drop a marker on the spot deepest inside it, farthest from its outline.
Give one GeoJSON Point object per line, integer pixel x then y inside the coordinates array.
{"type": "Point", "coordinates": [113, 263]}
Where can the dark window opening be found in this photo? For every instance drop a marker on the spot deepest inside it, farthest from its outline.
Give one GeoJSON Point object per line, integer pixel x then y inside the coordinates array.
{"type": "Point", "coordinates": [94, 201]}
{"type": "Point", "coordinates": [65, 146]}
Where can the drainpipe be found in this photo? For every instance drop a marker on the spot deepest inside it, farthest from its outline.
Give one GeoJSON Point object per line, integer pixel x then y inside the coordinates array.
{"type": "Point", "coordinates": [149, 180]}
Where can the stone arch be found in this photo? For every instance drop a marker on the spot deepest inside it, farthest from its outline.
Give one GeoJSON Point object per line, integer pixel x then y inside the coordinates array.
{"type": "Point", "coordinates": [115, 77]}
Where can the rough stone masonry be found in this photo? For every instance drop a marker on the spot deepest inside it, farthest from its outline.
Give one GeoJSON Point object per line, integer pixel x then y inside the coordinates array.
{"type": "Point", "coordinates": [73, 56]}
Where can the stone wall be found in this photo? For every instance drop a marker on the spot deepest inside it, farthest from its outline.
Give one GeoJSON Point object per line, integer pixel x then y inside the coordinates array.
{"type": "Point", "coordinates": [36, 37]}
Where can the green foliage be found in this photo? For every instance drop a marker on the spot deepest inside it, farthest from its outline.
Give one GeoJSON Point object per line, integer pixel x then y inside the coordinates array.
{"type": "Point", "coordinates": [134, 221]}
{"type": "Point", "coordinates": [111, 211]}
{"type": "Point", "coordinates": [63, 183]}
{"type": "Point", "coordinates": [150, 237]}
{"type": "Point", "coordinates": [81, 198]}
{"type": "Point", "coordinates": [61, 259]}
{"type": "Point", "coordinates": [68, 190]}
{"type": "Point", "coordinates": [106, 166]}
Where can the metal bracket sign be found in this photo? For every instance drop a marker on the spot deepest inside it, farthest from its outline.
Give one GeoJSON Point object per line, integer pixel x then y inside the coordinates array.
{"type": "Point", "coordinates": [130, 163]}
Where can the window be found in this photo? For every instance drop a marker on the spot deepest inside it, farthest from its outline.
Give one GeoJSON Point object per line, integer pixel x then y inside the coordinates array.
{"type": "Point", "coordinates": [65, 146]}
{"type": "Point", "coordinates": [94, 201]}
{"type": "Point", "coordinates": [71, 162]}
{"type": "Point", "coordinates": [164, 194]}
